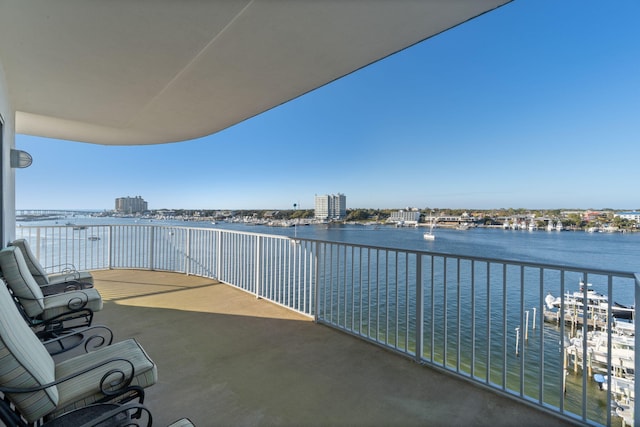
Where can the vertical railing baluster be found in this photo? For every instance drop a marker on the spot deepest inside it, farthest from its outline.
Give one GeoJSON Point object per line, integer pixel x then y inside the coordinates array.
{"type": "Point", "coordinates": [397, 292]}
{"type": "Point", "coordinates": [187, 253]}
{"type": "Point", "coordinates": [38, 242]}
{"type": "Point", "coordinates": [524, 332]}
{"type": "Point", "coordinates": [406, 302]}
{"type": "Point", "coordinates": [152, 233]}
{"type": "Point", "coordinates": [505, 330]}
{"type": "Point", "coordinates": [110, 247]}
{"type": "Point", "coordinates": [609, 321]}
{"type": "Point", "coordinates": [315, 290]}
{"type": "Point", "coordinates": [377, 295]}
{"type": "Point", "coordinates": [387, 284]}
{"type": "Point", "coordinates": [488, 334]}
{"type": "Point", "coordinates": [636, 341]}
{"type": "Point", "coordinates": [541, 334]}
{"type": "Point", "coordinates": [419, 310]}
{"type": "Point", "coordinates": [433, 311]}
{"type": "Point", "coordinates": [473, 320]}
{"type": "Point", "coordinates": [585, 329]}
{"type": "Point", "coordinates": [459, 329]}
{"type": "Point", "coordinates": [258, 264]}
{"type": "Point", "coordinates": [445, 306]}
{"type": "Point", "coordinates": [563, 349]}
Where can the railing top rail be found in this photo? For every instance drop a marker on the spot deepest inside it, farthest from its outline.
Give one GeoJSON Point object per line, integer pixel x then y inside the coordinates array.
{"type": "Point", "coordinates": [546, 266]}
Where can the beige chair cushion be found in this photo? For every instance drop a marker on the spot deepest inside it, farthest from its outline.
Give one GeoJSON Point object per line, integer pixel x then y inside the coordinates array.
{"type": "Point", "coordinates": [24, 362]}
{"type": "Point", "coordinates": [64, 302]}
{"type": "Point", "coordinates": [18, 277]}
{"type": "Point", "coordinates": [38, 273]}
{"type": "Point", "coordinates": [35, 304]}
{"type": "Point", "coordinates": [84, 390]}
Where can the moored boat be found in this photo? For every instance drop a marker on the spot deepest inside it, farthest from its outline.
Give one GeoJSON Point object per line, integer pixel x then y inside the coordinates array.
{"type": "Point", "coordinates": [597, 304]}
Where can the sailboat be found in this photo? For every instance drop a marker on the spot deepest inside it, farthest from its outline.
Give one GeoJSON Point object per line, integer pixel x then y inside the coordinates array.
{"type": "Point", "coordinates": [428, 235]}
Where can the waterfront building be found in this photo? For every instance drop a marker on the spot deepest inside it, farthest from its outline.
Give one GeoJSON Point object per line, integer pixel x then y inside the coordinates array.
{"type": "Point", "coordinates": [632, 216]}
{"type": "Point", "coordinates": [593, 215]}
{"type": "Point", "coordinates": [131, 205]}
{"type": "Point", "coordinates": [406, 217]}
{"type": "Point", "coordinates": [331, 206]}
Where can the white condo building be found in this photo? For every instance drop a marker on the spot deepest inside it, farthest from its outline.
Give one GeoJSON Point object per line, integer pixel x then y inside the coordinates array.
{"type": "Point", "coordinates": [131, 205]}
{"type": "Point", "coordinates": [331, 206]}
{"type": "Point", "coordinates": [632, 216]}
{"type": "Point", "coordinates": [407, 217]}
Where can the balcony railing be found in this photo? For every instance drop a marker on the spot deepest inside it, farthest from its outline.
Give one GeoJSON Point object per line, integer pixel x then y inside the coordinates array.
{"type": "Point", "coordinates": [486, 320]}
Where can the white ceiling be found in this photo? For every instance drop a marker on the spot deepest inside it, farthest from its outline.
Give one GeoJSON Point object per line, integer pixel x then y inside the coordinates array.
{"type": "Point", "coordinates": [130, 72]}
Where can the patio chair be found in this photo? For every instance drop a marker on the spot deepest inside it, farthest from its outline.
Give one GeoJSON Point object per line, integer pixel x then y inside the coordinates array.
{"type": "Point", "coordinates": [58, 312]}
{"type": "Point", "coordinates": [37, 388]}
{"type": "Point", "coordinates": [68, 278]}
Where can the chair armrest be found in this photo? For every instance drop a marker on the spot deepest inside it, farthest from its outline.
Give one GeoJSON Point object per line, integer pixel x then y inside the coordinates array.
{"type": "Point", "coordinates": [76, 303]}
{"type": "Point", "coordinates": [67, 286]}
{"type": "Point", "coordinates": [113, 382]}
{"type": "Point", "coordinates": [61, 324]}
{"type": "Point", "coordinates": [61, 268]}
{"type": "Point", "coordinates": [93, 338]}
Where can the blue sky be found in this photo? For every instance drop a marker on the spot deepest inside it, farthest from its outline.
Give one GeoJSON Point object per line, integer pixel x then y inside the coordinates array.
{"type": "Point", "coordinates": [535, 105]}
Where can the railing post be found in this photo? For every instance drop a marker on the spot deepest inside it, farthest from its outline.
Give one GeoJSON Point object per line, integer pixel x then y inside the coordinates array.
{"type": "Point", "coordinates": [316, 285]}
{"type": "Point", "coordinates": [257, 264]}
{"type": "Point", "coordinates": [152, 235]}
{"type": "Point", "coordinates": [187, 252]}
{"type": "Point", "coordinates": [218, 254]}
{"type": "Point", "coordinates": [636, 338]}
{"type": "Point", "coordinates": [419, 310]}
{"type": "Point", "coordinates": [109, 247]}
{"type": "Point", "coordinates": [38, 243]}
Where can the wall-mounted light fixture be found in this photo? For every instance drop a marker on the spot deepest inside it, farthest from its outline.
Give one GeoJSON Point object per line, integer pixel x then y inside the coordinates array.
{"type": "Point", "coordinates": [20, 159]}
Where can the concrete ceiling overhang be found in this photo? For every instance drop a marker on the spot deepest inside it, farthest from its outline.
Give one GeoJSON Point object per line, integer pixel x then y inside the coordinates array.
{"type": "Point", "coordinates": [154, 71]}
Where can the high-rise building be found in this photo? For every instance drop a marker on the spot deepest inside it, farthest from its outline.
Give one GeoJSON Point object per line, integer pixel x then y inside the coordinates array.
{"type": "Point", "coordinates": [331, 206]}
{"type": "Point", "coordinates": [130, 205]}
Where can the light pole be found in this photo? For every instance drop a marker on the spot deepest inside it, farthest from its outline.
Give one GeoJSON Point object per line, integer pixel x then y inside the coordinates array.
{"type": "Point", "coordinates": [295, 224]}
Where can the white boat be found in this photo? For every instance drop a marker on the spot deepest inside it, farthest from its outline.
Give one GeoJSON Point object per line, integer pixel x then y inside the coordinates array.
{"type": "Point", "coordinates": [597, 304]}
{"type": "Point", "coordinates": [428, 235]}
{"type": "Point", "coordinates": [622, 352]}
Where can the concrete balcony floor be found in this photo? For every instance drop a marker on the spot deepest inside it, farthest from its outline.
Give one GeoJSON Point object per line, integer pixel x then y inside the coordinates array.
{"type": "Point", "coordinates": [226, 358]}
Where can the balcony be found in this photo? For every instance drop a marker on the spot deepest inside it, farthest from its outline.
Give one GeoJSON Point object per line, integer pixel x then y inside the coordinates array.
{"type": "Point", "coordinates": [227, 358]}
{"type": "Point", "coordinates": [400, 336]}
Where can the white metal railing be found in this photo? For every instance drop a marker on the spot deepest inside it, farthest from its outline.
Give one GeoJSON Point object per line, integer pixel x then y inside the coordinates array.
{"type": "Point", "coordinates": [485, 320]}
